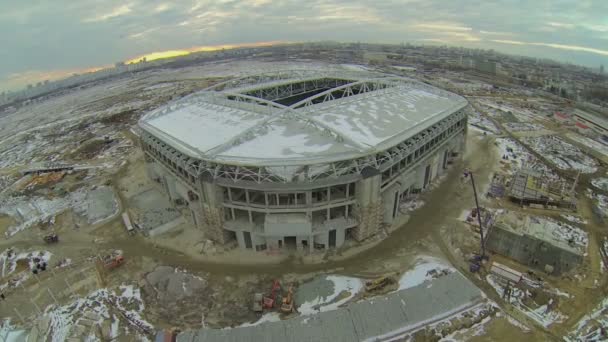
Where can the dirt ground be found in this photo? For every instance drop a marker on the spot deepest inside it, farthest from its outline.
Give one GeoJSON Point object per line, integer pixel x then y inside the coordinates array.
{"type": "Point", "coordinates": [230, 277]}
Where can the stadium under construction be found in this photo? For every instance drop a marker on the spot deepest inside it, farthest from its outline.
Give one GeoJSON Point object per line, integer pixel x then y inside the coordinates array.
{"type": "Point", "coordinates": [302, 159]}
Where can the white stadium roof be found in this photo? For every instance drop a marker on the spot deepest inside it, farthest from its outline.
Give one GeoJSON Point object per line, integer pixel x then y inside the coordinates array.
{"type": "Point", "coordinates": [228, 123]}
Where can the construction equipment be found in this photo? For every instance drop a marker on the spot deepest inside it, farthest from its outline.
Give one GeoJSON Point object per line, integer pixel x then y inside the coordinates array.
{"type": "Point", "coordinates": [51, 238]}
{"type": "Point", "coordinates": [112, 261]}
{"type": "Point", "coordinates": [269, 300]}
{"type": "Point", "coordinates": [287, 306]}
{"type": "Point", "coordinates": [105, 264]}
{"type": "Point", "coordinates": [168, 335]}
{"type": "Point", "coordinates": [258, 302]}
{"type": "Point", "coordinates": [377, 284]}
{"type": "Point", "coordinates": [127, 223]}
{"type": "Point", "coordinates": [477, 260]}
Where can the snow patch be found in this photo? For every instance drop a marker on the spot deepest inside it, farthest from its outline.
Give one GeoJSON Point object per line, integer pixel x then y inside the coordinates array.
{"type": "Point", "coordinates": [426, 269]}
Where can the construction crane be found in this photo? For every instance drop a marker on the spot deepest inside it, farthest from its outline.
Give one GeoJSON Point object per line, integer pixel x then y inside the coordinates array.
{"type": "Point", "coordinates": [476, 261]}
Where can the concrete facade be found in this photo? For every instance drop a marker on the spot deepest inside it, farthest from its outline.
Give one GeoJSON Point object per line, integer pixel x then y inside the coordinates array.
{"type": "Point", "coordinates": [533, 247]}
{"type": "Point", "coordinates": [356, 208]}
{"type": "Point", "coordinates": [323, 199]}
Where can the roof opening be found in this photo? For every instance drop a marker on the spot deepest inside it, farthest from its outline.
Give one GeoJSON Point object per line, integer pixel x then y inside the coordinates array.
{"type": "Point", "coordinates": [288, 94]}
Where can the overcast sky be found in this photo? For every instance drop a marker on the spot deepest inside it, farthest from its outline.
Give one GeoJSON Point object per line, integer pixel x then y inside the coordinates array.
{"type": "Point", "coordinates": [43, 39]}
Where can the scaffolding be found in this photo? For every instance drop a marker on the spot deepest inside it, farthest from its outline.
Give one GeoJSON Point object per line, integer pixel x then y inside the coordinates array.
{"type": "Point", "coordinates": [532, 187]}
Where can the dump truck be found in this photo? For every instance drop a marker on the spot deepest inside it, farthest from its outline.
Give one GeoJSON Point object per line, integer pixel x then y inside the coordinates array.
{"type": "Point", "coordinates": [258, 302]}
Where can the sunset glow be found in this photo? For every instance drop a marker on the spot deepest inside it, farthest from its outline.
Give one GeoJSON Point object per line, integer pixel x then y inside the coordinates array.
{"type": "Point", "coordinates": [176, 53]}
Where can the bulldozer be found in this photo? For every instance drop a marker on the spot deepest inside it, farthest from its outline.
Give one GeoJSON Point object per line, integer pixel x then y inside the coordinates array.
{"type": "Point", "coordinates": [287, 306]}
{"type": "Point", "coordinates": [377, 284]}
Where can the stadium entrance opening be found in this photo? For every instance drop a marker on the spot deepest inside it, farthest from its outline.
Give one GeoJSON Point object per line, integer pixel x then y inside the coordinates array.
{"type": "Point", "coordinates": [427, 175]}
{"type": "Point", "coordinates": [291, 242]}
{"type": "Point", "coordinates": [332, 238]}
{"type": "Point", "coordinates": [247, 236]}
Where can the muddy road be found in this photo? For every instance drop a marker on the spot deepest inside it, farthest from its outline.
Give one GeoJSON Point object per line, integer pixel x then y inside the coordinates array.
{"type": "Point", "coordinates": [418, 236]}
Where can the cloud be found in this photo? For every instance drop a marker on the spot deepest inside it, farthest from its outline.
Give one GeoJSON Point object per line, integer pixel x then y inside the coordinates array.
{"type": "Point", "coordinates": [555, 46]}
{"type": "Point", "coordinates": [441, 27]}
{"type": "Point", "coordinates": [116, 12]}
{"type": "Point", "coordinates": [561, 25]}
{"type": "Point", "coordinates": [449, 32]}
{"type": "Point", "coordinates": [162, 7]}
{"type": "Point", "coordinates": [495, 33]}
{"type": "Point", "coordinates": [597, 28]}
{"type": "Point", "coordinates": [68, 34]}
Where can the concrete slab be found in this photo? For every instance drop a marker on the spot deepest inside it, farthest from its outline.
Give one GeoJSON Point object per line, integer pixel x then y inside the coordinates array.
{"type": "Point", "coordinates": [377, 318]}
{"type": "Point", "coordinates": [152, 209]}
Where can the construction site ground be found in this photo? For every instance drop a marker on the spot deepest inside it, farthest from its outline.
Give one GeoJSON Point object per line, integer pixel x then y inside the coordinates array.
{"type": "Point", "coordinates": [189, 282]}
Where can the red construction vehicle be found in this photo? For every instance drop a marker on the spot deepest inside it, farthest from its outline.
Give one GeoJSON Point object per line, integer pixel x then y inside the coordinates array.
{"type": "Point", "coordinates": [269, 300]}
{"type": "Point", "coordinates": [110, 262]}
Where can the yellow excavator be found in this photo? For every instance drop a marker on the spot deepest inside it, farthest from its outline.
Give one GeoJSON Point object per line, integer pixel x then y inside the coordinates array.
{"type": "Point", "coordinates": [287, 306]}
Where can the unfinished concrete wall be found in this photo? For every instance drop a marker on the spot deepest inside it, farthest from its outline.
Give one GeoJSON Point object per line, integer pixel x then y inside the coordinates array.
{"type": "Point", "coordinates": [531, 251]}
{"type": "Point", "coordinates": [212, 220]}
{"type": "Point", "coordinates": [390, 200]}
{"type": "Point", "coordinates": [368, 210]}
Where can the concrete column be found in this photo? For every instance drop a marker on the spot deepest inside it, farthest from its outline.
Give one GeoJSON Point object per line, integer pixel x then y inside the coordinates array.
{"type": "Point", "coordinates": [240, 238]}
{"type": "Point", "coordinates": [369, 204]}
{"type": "Point", "coordinates": [211, 203]}
{"type": "Point", "coordinates": [340, 233]}
{"type": "Point", "coordinates": [420, 171]}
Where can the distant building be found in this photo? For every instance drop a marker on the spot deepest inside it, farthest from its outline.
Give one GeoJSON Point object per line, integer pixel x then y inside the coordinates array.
{"type": "Point", "coordinates": [488, 67]}
{"type": "Point", "coordinates": [596, 123]}
{"type": "Point", "coordinates": [481, 65]}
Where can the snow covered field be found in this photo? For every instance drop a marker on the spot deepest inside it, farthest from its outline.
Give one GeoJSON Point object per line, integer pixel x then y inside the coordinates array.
{"type": "Point", "coordinates": [344, 289]}
{"type": "Point", "coordinates": [122, 308]}
{"type": "Point", "coordinates": [29, 211]}
{"type": "Point", "coordinates": [564, 232]}
{"type": "Point", "coordinates": [523, 127]}
{"type": "Point", "coordinates": [482, 124]}
{"type": "Point", "coordinates": [591, 326]}
{"type": "Point", "coordinates": [544, 314]}
{"type": "Point", "coordinates": [8, 263]}
{"type": "Point", "coordinates": [600, 183]}
{"type": "Point", "coordinates": [426, 269]}
{"type": "Point", "coordinates": [498, 110]}
{"type": "Point", "coordinates": [514, 154]}
{"type": "Point", "coordinates": [574, 219]}
{"type": "Point", "coordinates": [564, 155]}
{"type": "Point", "coordinates": [592, 144]}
